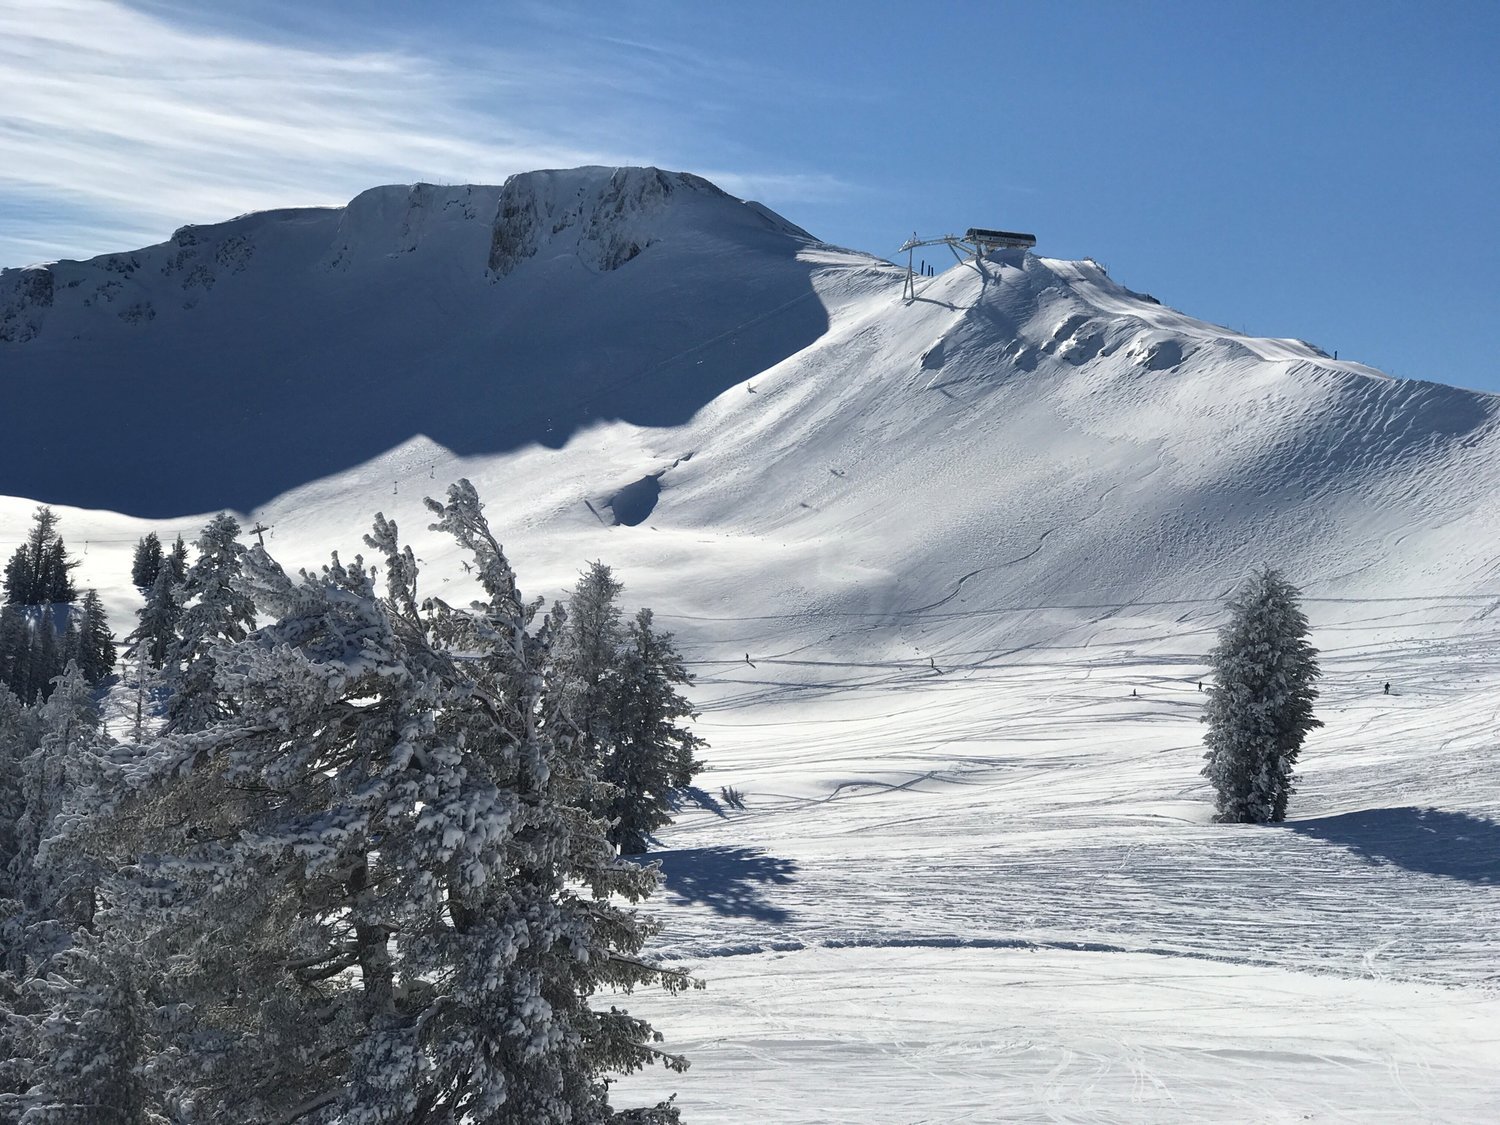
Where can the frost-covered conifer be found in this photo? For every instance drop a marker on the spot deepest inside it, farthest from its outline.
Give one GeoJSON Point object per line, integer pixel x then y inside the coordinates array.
{"type": "Point", "coordinates": [1261, 707]}
{"type": "Point", "coordinates": [69, 744]}
{"type": "Point", "coordinates": [380, 902]}
{"type": "Point", "coordinates": [156, 630]}
{"type": "Point", "coordinates": [586, 656]}
{"type": "Point", "coordinates": [214, 610]}
{"type": "Point", "coordinates": [91, 644]}
{"type": "Point", "coordinates": [46, 648]}
{"type": "Point", "coordinates": [15, 740]}
{"type": "Point", "coordinates": [89, 1045]}
{"type": "Point", "coordinates": [17, 652]}
{"type": "Point", "coordinates": [50, 907]}
{"type": "Point", "coordinates": [651, 753]}
{"type": "Point", "coordinates": [177, 559]}
{"type": "Point", "coordinates": [615, 696]}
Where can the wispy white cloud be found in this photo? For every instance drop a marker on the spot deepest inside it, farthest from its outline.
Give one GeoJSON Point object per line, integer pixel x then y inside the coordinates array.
{"type": "Point", "coordinates": [115, 122]}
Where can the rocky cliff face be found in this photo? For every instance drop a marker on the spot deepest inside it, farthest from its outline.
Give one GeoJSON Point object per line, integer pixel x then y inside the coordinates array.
{"type": "Point", "coordinates": [604, 221]}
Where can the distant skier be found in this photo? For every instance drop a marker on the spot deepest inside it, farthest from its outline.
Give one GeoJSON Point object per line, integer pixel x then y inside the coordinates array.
{"type": "Point", "coordinates": [749, 661]}
{"type": "Point", "coordinates": [1132, 693]}
{"type": "Point", "coordinates": [1200, 685]}
{"type": "Point", "coordinates": [1388, 687]}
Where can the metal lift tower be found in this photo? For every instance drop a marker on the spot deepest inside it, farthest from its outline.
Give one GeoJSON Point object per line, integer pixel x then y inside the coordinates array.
{"type": "Point", "coordinates": [975, 243]}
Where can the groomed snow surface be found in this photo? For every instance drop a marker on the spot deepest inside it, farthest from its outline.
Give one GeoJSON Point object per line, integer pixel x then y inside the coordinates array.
{"type": "Point", "coordinates": [920, 555]}
{"type": "Point", "coordinates": [992, 893]}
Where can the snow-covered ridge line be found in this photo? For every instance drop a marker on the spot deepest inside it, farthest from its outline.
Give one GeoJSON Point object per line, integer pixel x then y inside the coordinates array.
{"type": "Point", "coordinates": [609, 215]}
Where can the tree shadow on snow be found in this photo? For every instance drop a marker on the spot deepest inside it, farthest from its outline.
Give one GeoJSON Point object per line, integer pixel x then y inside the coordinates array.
{"type": "Point", "coordinates": [728, 880]}
{"type": "Point", "coordinates": [1430, 841]}
{"type": "Point", "coordinates": [700, 797]}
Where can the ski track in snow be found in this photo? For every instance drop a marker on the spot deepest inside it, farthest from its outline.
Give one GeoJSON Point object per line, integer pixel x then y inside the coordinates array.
{"type": "Point", "coordinates": [995, 895]}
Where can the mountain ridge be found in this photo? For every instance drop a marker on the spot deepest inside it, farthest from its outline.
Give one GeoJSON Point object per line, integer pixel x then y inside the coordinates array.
{"type": "Point", "coordinates": [233, 324]}
{"type": "Point", "coordinates": [1025, 431]}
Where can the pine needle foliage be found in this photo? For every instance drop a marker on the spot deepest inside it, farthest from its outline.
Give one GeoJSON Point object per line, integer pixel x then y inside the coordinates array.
{"type": "Point", "coordinates": [374, 878]}
{"type": "Point", "coordinates": [1261, 706]}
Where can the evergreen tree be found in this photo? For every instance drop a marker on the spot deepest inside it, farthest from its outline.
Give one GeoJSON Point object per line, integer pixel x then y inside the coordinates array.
{"type": "Point", "coordinates": [380, 899]}
{"type": "Point", "coordinates": [214, 611]}
{"type": "Point", "coordinates": [70, 741]}
{"type": "Point", "coordinates": [38, 573]}
{"type": "Point", "coordinates": [46, 652]}
{"type": "Point", "coordinates": [146, 562]}
{"type": "Point", "coordinates": [156, 633]}
{"type": "Point", "coordinates": [177, 559]}
{"type": "Point", "coordinates": [651, 752]}
{"type": "Point", "coordinates": [71, 1053]}
{"type": "Point", "coordinates": [17, 740]}
{"type": "Point", "coordinates": [31, 654]}
{"type": "Point", "coordinates": [586, 659]}
{"type": "Point", "coordinates": [90, 643]}
{"type": "Point", "coordinates": [16, 655]}
{"type": "Point", "coordinates": [15, 723]}
{"type": "Point", "coordinates": [615, 697]}
{"type": "Point", "coordinates": [1261, 707]}
{"type": "Point", "coordinates": [88, 1048]}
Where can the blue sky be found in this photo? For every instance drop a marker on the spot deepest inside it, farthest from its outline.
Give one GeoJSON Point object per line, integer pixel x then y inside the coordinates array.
{"type": "Point", "coordinates": [1324, 169]}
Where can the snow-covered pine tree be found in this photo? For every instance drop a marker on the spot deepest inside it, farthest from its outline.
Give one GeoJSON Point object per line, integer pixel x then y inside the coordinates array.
{"type": "Point", "coordinates": [50, 905]}
{"type": "Point", "coordinates": [70, 741]}
{"type": "Point", "coordinates": [31, 653]}
{"type": "Point", "coordinates": [14, 746]}
{"type": "Point", "coordinates": [585, 659]}
{"type": "Point", "coordinates": [46, 651]}
{"type": "Point", "coordinates": [38, 573]}
{"type": "Point", "coordinates": [89, 1045]}
{"type": "Point", "coordinates": [380, 905]}
{"type": "Point", "coordinates": [177, 559]}
{"type": "Point", "coordinates": [16, 651]}
{"type": "Point", "coordinates": [577, 943]}
{"type": "Point", "coordinates": [156, 628]}
{"type": "Point", "coordinates": [651, 752]}
{"type": "Point", "coordinates": [17, 740]}
{"type": "Point", "coordinates": [214, 610]}
{"type": "Point", "coordinates": [1261, 706]}
{"type": "Point", "coordinates": [146, 562]}
{"type": "Point", "coordinates": [91, 644]}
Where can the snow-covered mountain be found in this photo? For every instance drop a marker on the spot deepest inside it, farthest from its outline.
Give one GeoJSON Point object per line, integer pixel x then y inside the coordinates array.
{"type": "Point", "coordinates": [238, 360]}
{"type": "Point", "coordinates": [946, 568]}
{"type": "Point", "coordinates": [1025, 426]}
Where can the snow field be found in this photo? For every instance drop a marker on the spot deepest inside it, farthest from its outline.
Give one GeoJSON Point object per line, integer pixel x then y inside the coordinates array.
{"type": "Point", "coordinates": [993, 894]}
{"type": "Point", "coordinates": [926, 1036]}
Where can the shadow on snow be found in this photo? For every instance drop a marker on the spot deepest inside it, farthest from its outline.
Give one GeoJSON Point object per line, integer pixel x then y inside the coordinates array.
{"type": "Point", "coordinates": [1430, 841]}
{"type": "Point", "coordinates": [728, 880]}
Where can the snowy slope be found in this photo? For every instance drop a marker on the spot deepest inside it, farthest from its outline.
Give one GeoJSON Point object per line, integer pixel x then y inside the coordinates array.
{"type": "Point", "coordinates": [975, 879]}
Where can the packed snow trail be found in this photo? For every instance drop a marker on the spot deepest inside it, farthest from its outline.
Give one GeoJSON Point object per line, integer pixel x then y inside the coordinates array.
{"type": "Point", "coordinates": [997, 896]}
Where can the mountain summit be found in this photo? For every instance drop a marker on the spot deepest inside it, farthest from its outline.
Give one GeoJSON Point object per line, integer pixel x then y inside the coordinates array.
{"type": "Point", "coordinates": [240, 359]}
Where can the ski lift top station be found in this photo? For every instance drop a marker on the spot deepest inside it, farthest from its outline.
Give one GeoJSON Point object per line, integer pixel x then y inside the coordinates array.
{"type": "Point", "coordinates": [975, 243]}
